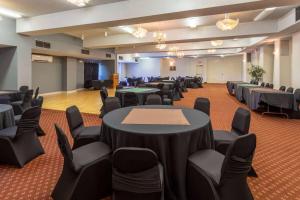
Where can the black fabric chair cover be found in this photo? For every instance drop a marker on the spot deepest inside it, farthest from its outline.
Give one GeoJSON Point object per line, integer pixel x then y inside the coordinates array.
{"type": "Point", "coordinates": [137, 174]}
{"type": "Point", "coordinates": [86, 172]}
{"type": "Point", "coordinates": [262, 84]}
{"type": "Point", "coordinates": [111, 104]}
{"type": "Point", "coordinates": [297, 98]}
{"type": "Point", "coordinates": [267, 85]}
{"type": "Point", "coordinates": [20, 107]}
{"type": "Point", "coordinates": [233, 173]}
{"type": "Point", "coordinates": [272, 86]}
{"type": "Point", "coordinates": [19, 145]}
{"type": "Point", "coordinates": [241, 121]}
{"type": "Point", "coordinates": [282, 88]}
{"type": "Point", "coordinates": [290, 90]}
{"type": "Point", "coordinates": [202, 104]}
{"type": "Point", "coordinates": [153, 99]}
{"type": "Point", "coordinates": [130, 99]}
{"type": "Point", "coordinates": [82, 135]}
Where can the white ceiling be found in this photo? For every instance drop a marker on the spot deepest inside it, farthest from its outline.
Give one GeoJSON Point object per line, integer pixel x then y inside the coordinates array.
{"type": "Point", "coordinates": [246, 16]}
{"type": "Point", "coordinates": [29, 8]}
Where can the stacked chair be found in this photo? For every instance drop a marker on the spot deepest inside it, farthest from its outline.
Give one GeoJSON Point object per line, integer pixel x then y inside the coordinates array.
{"type": "Point", "coordinates": [86, 172]}
{"type": "Point", "coordinates": [137, 175]}
{"type": "Point", "coordinates": [214, 176]}
{"type": "Point", "coordinates": [20, 144]}
{"type": "Point", "coordinates": [81, 134]}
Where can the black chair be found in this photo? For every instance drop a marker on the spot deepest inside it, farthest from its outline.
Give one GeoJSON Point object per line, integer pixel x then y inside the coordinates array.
{"type": "Point", "coordinates": [213, 176]}
{"type": "Point", "coordinates": [262, 84]}
{"type": "Point", "coordinates": [271, 86]}
{"type": "Point", "coordinates": [22, 89]}
{"type": "Point", "coordinates": [104, 96]}
{"type": "Point", "coordinates": [290, 90]}
{"type": "Point", "coordinates": [82, 135]}
{"type": "Point", "coordinates": [297, 98]}
{"type": "Point", "coordinates": [20, 144]}
{"type": "Point", "coordinates": [111, 104]}
{"type": "Point", "coordinates": [36, 93]}
{"type": "Point", "coordinates": [86, 172]}
{"type": "Point", "coordinates": [153, 99]}
{"type": "Point", "coordinates": [267, 85]}
{"type": "Point", "coordinates": [130, 99]}
{"type": "Point", "coordinates": [282, 88]}
{"type": "Point", "coordinates": [137, 175]}
{"type": "Point", "coordinates": [202, 104]}
{"type": "Point", "coordinates": [20, 106]}
{"type": "Point", "coordinates": [240, 126]}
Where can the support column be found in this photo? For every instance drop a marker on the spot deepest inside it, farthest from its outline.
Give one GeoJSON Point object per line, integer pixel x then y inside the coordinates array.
{"type": "Point", "coordinates": [295, 69]}
{"type": "Point", "coordinates": [245, 68]}
{"type": "Point", "coordinates": [69, 74]}
{"type": "Point", "coordinates": [276, 72]}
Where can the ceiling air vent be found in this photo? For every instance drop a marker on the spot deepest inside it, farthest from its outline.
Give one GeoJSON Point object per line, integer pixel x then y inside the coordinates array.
{"type": "Point", "coordinates": [85, 51]}
{"type": "Point", "coordinates": [298, 14]}
{"type": "Point", "coordinates": [42, 44]}
{"type": "Point", "coordinates": [108, 55]}
{"type": "Point", "coordinates": [121, 58]}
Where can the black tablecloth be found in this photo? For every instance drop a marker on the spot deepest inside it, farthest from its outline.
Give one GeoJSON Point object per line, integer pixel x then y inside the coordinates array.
{"type": "Point", "coordinates": [155, 84]}
{"type": "Point", "coordinates": [173, 143]}
{"type": "Point", "coordinates": [120, 93]}
{"type": "Point", "coordinates": [241, 88]}
{"type": "Point", "coordinates": [231, 84]}
{"type": "Point", "coordinates": [6, 116]}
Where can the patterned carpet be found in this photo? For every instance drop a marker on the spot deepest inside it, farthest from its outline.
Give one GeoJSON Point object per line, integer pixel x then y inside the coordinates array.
{"type": "Point", "coordinates": [277, 159]}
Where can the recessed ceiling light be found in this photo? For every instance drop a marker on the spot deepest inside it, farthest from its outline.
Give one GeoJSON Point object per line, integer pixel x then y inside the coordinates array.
{"type": "Point", "coordinates": [79, 3]}
{"type": "Point", "coordinates": [216, 43]}
{"type": "Point", "coordinates": [105, 34]}
{"type": "Point", "coordinates": [211, 50]}
{"type": "Point", "coordinates": [9, 13]}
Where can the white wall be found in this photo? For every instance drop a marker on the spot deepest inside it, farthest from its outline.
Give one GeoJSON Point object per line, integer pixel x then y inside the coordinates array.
{"type": "Point", "coordinates": [295, 69]}
{"type": "Point", "coordinates": [144, 68]}
{"type": "Point", "coordinates": [184, 67]}
{"type": "Point", "coordinates": [220, 70]}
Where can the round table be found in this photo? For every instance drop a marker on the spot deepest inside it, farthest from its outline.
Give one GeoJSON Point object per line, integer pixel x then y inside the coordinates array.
{"type": "Point", "coordinates": [140, 92]}
{"type": "Point", "coordinates": [6, 116]}
{"type": "Point", "coordinates": [172, 143]}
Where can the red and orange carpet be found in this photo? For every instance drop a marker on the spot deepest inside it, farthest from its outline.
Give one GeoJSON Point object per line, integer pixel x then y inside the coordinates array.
{"type": "Point", "coordinates": [277, 159]}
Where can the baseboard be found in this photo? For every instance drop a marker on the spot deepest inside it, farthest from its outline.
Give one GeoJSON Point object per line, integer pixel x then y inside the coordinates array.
{"type": "Point", "coordinates": [61, 92]}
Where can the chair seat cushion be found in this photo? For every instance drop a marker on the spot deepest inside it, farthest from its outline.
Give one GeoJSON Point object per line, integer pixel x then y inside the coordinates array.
{"type": "Point", "coordinates": [224, 136]}
{"type": "Point", "coordinates": [9, 132]}
{"type": "Point", "coordinates": [88, 132]}
{"type": "Point", "coordinates": [89, 153]}
{"type": "Point", "coordinates": [210, 162]}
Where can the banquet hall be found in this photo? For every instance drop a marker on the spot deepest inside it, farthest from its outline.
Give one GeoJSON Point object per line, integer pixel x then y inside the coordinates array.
{"type": "Point", "coordinates": [149, 100]}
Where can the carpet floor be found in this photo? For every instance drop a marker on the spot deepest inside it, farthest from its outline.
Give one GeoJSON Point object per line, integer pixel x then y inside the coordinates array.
{"type": "Point", "coordinates": [277, 158]}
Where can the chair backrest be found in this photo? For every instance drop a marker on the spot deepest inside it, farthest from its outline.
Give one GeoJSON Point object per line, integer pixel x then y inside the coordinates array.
{"type": "Point", "coordinates": [267, 85]}
{"type": "Point", "coordinates": [111, 104]}
{"type": "Point", "coordinates": [29, 121]}
{"type": "Point", "coordinates": [36, 94]}
{"type": "Point", "coordinates": [64, 146]}
{"type": "Point", "coordinates": [38, 102]}
{"type": "Point", "coordinates": [282, 88]}
{"type": "Point", "coordinates": [130, 99]}
{"type": "Point", "coordinates": [202, 104]}
{"type": "Point", "coordinates": [133, 160]}
{"type": "Point", "coordinates": [74, 118]}
{"type": "Point", "coordinates": [297, 98]}
{"type": "Point", "coordinates": [271, 86]}
{"type": "Point", "coordinates": [238, 159]}
{"type": "Point", "coordinates": [262, 84]}
{"type": "Point", "coordinates": [103, 95]}
{"type": "Point", "coordinates": [290, 90]}
{"type": "Point", "coordinates": [160, 86]}
{"type": "Point", "coordinates": [27, 99]}
{"type": "Point", "coordinates": [241, 121]}
{"type": "Point", "coordinates": [153, 99]}
{"type": "Point", "coordinates": [23, 88]}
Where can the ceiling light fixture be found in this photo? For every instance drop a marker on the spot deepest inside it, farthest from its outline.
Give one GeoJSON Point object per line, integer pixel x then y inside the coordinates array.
{"type": "Point", "coordinates": [9, 13]}
{"type": "Point", "coordinates": [140, 32]}
{"type": "Point", "coordinates": [79, 3]}
{"type": "Point", "coordinates": [192, 22]}
{"type": "Point", "coordinates": [105, 34]}
{"type": "Point", "coordinates": [217, 43]}
{"type": "Point", "coordinates": [161, 46]}
{"type": "Point", "coordinates": [160, 38]}
{"type": "Point", "coordinates": [180, 54]}
{"type": "Point", "coordinates": [227, 23]}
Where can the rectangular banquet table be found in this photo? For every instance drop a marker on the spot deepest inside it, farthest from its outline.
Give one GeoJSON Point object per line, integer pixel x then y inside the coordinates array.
{"type": "Point", "coordinates": [230, 85]}
{"type": "Point", "coordinates": [272, 97]}
{"type": "Point", "coordinates": [240, 89]}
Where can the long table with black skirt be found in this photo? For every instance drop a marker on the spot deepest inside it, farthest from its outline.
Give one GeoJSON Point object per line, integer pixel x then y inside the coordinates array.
{"type": "Point", "coordinates": [172, 143]}
{"type": "Point", "coordinates": [272, 97]}
{"type": "Point", "coordinates": [240, 90]}
{"type": "Point", "coordinates": [231, 84]}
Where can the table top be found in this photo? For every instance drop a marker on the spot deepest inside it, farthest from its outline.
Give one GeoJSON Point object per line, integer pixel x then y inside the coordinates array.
{"type": "Point", "coordinates": [6, 92]}
{"type": "Point", "coordinates": [269, 90]}
{"type": "Point", "coordinates": [5, 107]}
{"type": "Point", "coordinates": [196, 119]}
{"type": "Point", "coordinates": [138, 90]}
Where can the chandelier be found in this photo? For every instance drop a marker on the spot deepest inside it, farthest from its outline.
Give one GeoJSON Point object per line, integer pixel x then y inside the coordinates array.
{"type": "Point", "coordinates": [227, 23]}
{"type": "Point", "coordinates": [160, 38]}
{"type": "Point", "coordinates": [161, 46]}
{"type": "Point", "coordinates": [216, 43]}
{"type": "Point", "coordinates": [180, 54]}
{"type": "Point", "coordinates": [211, 50]}
{"type": "Point", "coordinates": [140, 32]}
{"type": "Point", "coordinates": [79, 3]}
{"type": "Point", "coordinates": [174, 51]}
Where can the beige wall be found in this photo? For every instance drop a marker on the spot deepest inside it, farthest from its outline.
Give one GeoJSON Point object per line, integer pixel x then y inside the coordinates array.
{"type": "Point", "coordinates": [268, 63]}
{"type": "Point", "coordinates": [184, 67]}
{"type": "Point", "coordinates": [221, 70]}
{"type": "Point", "coordinates": [295, 69]}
